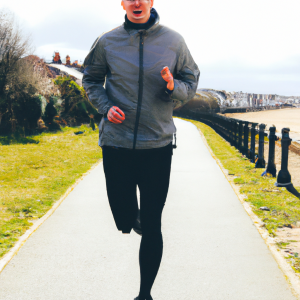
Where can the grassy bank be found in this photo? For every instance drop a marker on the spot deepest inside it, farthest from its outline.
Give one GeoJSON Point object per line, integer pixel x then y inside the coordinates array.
{"type": "Point", "coordinates": [258, 191]}
{"type": "Point", "coordinates": [35, 172]}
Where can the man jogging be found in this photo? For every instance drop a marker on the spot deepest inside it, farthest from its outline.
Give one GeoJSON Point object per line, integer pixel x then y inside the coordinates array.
{"type": "Point", "coordinates": [134, 75]}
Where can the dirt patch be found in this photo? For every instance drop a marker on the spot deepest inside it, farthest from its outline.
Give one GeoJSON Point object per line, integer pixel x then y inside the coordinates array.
{"type": "Point", "coordinates": [288, 241]}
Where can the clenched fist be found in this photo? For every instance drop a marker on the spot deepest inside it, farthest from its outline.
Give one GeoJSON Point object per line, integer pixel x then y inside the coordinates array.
{"type": "Point", "coordinates": [168, 77]}
{"type": "Point", "coordinates": [115, 115]}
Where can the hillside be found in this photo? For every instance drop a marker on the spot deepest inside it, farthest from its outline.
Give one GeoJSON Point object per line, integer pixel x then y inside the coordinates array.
{"type": "Point", "coordinates": [203, 101]}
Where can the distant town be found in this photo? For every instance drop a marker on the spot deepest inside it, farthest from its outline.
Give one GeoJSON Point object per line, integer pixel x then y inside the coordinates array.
{"type": "Point", "coordinates": [240, 99]}
{"type": "Point", "coordinates": [67, 61]}
{"type": "Point", "coordinates": [247, 99]}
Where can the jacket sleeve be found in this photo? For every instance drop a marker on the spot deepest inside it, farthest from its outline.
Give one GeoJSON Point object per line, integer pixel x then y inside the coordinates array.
{"type": "Point", "coordinates": [186, 77]}
{"type": "Point", "coordinates": [95, 70]}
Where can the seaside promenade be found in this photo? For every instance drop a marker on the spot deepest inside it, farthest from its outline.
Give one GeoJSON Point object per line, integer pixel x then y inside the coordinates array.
{"type": "Point", "coordinates": [212, 250]}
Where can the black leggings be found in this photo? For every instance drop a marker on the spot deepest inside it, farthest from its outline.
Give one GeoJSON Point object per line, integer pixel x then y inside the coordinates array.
{"type": "Point", "coordinates": [149, 170]}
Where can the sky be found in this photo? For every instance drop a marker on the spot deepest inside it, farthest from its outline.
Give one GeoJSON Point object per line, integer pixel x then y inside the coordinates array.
{"type": "Point", "coordinates": [250, 46]}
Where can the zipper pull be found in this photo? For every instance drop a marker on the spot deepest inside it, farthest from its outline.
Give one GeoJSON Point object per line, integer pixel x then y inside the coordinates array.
{"type": "Point", "coordinates": [142, 37]}
{"type": "Point", "coordinates": [142, 33]}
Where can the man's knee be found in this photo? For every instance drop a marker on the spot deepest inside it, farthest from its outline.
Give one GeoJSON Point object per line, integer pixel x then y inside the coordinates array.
{"type": "Point", "coordinates": [152, 230]}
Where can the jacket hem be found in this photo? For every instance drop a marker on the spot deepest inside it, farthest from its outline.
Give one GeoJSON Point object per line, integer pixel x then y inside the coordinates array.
{"type": "Point", "coordinates": [146, 145]}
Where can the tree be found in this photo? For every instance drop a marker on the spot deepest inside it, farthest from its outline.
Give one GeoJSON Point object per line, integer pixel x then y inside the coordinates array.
{"type": "Point", "coordinates": [14, 45]}
{"type": "Point", "coordinates": [22, 79]}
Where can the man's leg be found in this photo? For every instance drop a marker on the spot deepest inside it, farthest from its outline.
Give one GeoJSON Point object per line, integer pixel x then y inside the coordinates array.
{"type": "Point", "coordinates": [154, 176]}
{"type": "Point", "coordinates": [121, 186]}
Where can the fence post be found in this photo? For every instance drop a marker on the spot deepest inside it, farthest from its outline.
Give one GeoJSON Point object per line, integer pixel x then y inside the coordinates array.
{"type": "Point", "coordinates": [233, 132]}
{"type": "Point", "coordinates": [261, 155]}
{"type": "Point", "coordinates": [271, 167]}
{"type": "Point", "coordinates": [236, 132]}
{"type": "Point", "coordinates": [246, 139]}
{"type": "Point", "coordinates": [231, 124]}
{"type": "Point", "coordinates": [284, 177]}
{"type": "Point", "coordinates": [230, 131]}
{"type": "Point", "coordinates": [252, 149]}
{"type": "Point", "coordinates": [240, 145]}
{"type": "Point", "coordinates": [228, 126]}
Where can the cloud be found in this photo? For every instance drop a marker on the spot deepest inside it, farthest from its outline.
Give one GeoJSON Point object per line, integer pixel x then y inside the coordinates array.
{"type": "Point", "coordinates": [69, 32]}
{"type": "Point", "coordinates": [237, 75]}
{"type": "Point", "coordinates": [238, 45]}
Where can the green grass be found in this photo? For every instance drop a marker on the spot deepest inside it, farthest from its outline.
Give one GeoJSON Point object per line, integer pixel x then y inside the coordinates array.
{"type": "Point", "coordinates": [258, 191]}
{"type": "Point", "coordinates": [35, 172]}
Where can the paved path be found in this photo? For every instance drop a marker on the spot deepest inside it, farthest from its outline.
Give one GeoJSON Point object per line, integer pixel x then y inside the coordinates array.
{"type": "Point", "coordinates": [68, 70]}
{"type": "Point", "coordinates": [212, 249]}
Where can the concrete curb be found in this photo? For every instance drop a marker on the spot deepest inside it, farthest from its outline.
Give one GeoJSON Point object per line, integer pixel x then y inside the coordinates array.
{"type": "Point", "coordinates": [8, 256]}
{"type": "Point", "coordinates": [289, 274]}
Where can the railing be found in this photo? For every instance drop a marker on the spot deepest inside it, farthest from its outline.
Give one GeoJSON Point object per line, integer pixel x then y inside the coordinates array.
{"type": "Point", "coordinates": [239, 133]}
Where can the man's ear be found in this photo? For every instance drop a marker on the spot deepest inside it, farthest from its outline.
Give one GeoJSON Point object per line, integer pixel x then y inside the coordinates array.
{"type": "Point", "coordinates": [122, 3]}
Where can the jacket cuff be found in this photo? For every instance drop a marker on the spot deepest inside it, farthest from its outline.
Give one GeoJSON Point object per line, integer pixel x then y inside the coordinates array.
{"type": "Point", "coordinates": [179, 92]}
{"type": "Point", "coordinates": [105, 114]}
{"type": "Point", "coordinates": [169, 92]}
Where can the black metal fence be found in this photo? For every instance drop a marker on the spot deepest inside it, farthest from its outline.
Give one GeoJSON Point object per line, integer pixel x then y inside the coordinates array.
{"type": "Point", "coordinates": [242, 135]}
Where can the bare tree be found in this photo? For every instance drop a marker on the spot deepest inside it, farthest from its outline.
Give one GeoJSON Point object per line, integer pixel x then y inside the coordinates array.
{"type": "Point", "coordinates": [14, 45]}
{"type": "Point", "coordinates": [23, 77]}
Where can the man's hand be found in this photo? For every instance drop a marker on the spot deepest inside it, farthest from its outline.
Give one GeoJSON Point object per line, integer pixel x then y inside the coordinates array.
{"type": "Point", "coordinates": [168, 77]}
{"type": "Point", "coordinates": [115, 115]}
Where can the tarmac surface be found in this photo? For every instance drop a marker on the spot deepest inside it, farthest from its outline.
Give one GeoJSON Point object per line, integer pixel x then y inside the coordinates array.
{"type": "Point", "coordinates": [212, 250]}
{"type": "Point", "coordinates": [68, 70]}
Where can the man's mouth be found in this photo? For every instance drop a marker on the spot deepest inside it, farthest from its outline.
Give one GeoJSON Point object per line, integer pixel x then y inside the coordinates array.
{"type": "Point", "coordinates": [137, 12]}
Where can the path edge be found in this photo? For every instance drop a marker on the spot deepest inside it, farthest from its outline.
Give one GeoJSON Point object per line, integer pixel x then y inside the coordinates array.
{"type": "Point", "coordinates": [289, 274]}
{"type": "Point", "coordinates": [4, 261]}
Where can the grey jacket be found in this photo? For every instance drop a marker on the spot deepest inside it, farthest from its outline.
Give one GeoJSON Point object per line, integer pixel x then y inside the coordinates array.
{"type": "Point", "coordinates": [123, 69]}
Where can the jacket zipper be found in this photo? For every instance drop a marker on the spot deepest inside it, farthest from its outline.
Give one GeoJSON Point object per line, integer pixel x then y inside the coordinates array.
{"type": "Point", "coordinates": [141, 85]}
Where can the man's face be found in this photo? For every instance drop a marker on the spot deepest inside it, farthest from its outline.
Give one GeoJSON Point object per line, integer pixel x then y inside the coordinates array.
{"type": "Point", "coordinates": [137, 11]}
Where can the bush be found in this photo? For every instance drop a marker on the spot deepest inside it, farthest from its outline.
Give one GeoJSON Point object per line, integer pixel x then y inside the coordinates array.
{"type": "Point", "coordinates": [75, 106]}
{"type": "Point", "coordinates": [27, 111]}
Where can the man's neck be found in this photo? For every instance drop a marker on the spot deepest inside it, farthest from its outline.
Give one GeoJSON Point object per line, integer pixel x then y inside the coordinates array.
{"type": "Point", "coordinates": [140, 26]}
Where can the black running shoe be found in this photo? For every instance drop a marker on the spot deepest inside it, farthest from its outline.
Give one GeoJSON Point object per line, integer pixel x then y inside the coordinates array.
{"type": "Point", "coordinates": [137, 227]}
{"type": "Point", "coordinates": [148, 298]}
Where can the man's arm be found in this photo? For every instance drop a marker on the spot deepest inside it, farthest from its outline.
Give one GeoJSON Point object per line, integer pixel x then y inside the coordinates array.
{"type": "Point", "coordinates": [95, 70]}
{"type": "Point", "coordinates": [186, 77]}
